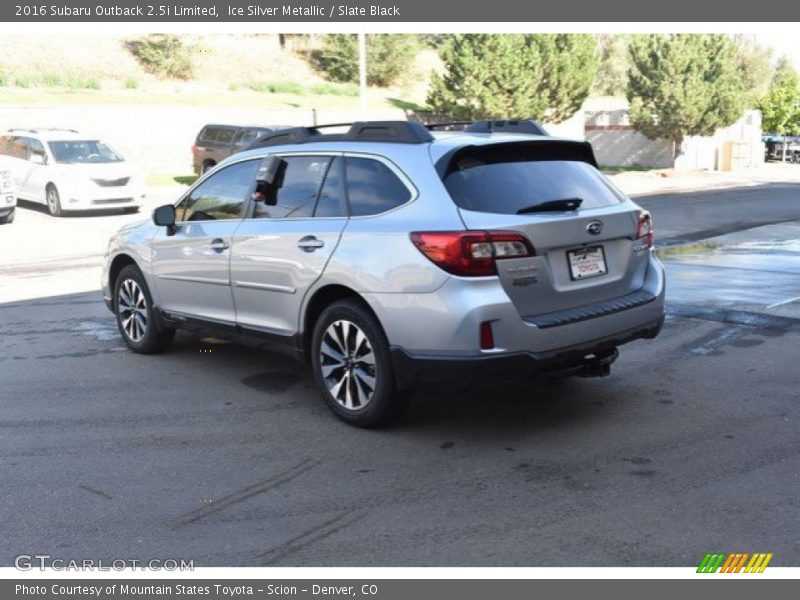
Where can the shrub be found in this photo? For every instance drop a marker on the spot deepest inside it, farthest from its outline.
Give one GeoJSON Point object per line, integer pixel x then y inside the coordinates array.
{"type": "Point", "coordinates": [334, 89]}
{"type": "Point", "coordinates": [51, 80]}
{"type": "Point", "coordinates": [388, 57]}
{"type": "Point", "coordinates": [163, 54]}
{"type": "Point", "coordinates": [23, 82]}
{"type": "Point", "coordinates": [276, 87]}
{"type": "Point", "coordinates": [131, 83]}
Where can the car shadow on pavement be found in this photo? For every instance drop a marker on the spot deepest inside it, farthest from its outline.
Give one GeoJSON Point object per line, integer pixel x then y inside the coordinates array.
{"type": "Point", "coordinates": [264, 383]}
{"type": "Point", "coordinates": [42, 208]}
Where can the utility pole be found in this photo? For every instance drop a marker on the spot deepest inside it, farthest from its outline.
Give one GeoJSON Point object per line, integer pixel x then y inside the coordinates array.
{"type": "Point", "coordinates": [362, 73]}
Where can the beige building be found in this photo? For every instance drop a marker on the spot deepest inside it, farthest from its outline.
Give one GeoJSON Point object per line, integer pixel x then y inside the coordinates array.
{"type": "Point", "coordinates": [616, 143]}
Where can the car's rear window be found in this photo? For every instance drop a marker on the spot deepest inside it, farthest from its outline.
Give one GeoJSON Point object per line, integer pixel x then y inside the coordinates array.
{"type": "Point", "coordinates": [511, 186]}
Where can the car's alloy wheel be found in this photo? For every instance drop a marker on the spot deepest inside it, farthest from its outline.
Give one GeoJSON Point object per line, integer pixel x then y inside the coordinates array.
{"type": "Point", "coordinates": [137, 319]}
{"type": "Point", "coordinates": [53, 201]}
{"type": "Point", "coordinates": [132, 310]}
{"type": "Point", "coordinates": [353, 367]}
{"type": "Point", "coordinates": [348, 365]}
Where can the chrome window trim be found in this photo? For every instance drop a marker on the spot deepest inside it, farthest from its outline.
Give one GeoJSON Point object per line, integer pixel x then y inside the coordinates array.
{"type": "Point", "coordinates": [392, 166]}
{"type": "Point", "coordinates": [398, 172]}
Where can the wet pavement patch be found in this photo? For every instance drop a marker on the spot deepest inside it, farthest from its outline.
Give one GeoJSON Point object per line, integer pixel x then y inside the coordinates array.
{"type": "Point", "coordinates": [734, 317]}
{"type": "Point", "coordinates": [747, 278]}
{"type": "Point", "coordinates": [274, 383]}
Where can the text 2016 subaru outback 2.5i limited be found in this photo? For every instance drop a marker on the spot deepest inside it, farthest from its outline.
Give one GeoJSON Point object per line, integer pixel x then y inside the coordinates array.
{"type": "Point", "coordinates": [389, 254]}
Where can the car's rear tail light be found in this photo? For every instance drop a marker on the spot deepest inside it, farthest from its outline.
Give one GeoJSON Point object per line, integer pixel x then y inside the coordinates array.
{"type": "Point", "coordinates": [487, 336]}
{"type": "Point", "coordinates": [645, 228]}
{"type": "Point", "coordinates": [471, 253]}
{"type": "Point", "coordinates": [195, 149]}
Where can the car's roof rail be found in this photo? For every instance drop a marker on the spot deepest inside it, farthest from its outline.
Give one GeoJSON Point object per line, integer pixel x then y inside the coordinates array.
{"type": "Point", "coordinates": [448, 125]}
{"type": "Point", "coordinates": [528, 126]}
{"type": "Point", "coordinates": [42, 129]}
{"type": "Point", "coordinates": [401, 132]}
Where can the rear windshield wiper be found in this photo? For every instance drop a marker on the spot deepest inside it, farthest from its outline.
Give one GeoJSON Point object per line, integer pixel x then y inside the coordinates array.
{"type": "Point", "coordinates": [552, 205]}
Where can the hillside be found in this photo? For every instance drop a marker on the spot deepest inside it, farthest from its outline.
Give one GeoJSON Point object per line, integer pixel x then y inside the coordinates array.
{"type": "Point", "coordinates": [229, 70]}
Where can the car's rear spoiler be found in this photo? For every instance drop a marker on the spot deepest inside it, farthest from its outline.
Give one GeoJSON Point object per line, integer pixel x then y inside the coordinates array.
{"type": "Point", "coordinates": [524, 150]}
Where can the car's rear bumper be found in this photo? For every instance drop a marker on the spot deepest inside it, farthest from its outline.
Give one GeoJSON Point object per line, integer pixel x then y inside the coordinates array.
{"type": "Point", "coordinates": [589, 358]}
{"type": "Point", "coordinates": [5, 210]}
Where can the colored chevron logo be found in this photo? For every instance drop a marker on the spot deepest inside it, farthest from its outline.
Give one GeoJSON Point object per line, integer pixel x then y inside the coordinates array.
{"type": "Point", "coordinates": [734, 563]}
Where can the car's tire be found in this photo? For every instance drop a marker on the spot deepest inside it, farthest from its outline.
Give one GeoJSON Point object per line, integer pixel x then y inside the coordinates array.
{"type": "Point", "coordinates": [352, 366]}
{"type": "Point", "coordinates": [138, 324]}
{"type": "Point", "coordinates": [53, 201]}
{"type": "Point", "coordinates": [9, 218]}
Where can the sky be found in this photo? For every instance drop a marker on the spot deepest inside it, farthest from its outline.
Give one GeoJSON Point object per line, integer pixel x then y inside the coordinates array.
{"type": "Point", "coordinates": [782, 44]}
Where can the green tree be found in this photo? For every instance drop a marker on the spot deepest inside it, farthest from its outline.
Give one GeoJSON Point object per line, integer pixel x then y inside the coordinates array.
{"type": "Point", "coordinates": [781, 106]}
{"type": "Point", "coordinates": [681, 85]}
{"type": "Point", "coordinates": [612, 71]}
{"type": "Point", "coordinates": [389, 56]}
{"type": "Point", "coordinates": [545, 77]}
{"type": "Point", "coordinates": [755, 67]}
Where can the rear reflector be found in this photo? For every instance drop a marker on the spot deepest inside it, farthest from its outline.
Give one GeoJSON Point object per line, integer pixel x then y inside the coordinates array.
{"type": "Point", "coordinates": [645, 228]}
{"type": "Point", "coordinates": [487, 336]}
{"type": "Point", "coordinates": [471, 253]}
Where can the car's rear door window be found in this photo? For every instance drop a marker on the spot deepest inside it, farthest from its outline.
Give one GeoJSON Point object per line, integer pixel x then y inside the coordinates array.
{"type": "Point", "coordinates": [208, 135]}
{"type": "Point", "coordinates": [247, 136]}
{"type": "Point", "coordinates": [297, 196]}
{"type": "Point", "coordinates": [372, 187]}
{"type": "Point", "coordinates": [225, 135]}
{"type": "Point", "coordinates": [332, 202]}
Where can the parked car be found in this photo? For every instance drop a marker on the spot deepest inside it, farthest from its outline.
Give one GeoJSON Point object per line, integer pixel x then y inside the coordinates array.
{"type": "Point", "coordinates": [8, 197]}
{"type": "Point", "coordinates": [389, 256]}
{"type": "Point", "coordinates": [68, 171]}
{"type": "Point", "coordinates": [215, 143]}
{"type": "Point", "coordinates": [781, 147]}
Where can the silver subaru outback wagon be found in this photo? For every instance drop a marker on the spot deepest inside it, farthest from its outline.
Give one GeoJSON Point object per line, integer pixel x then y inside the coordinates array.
{"type": "Point", "coordinates": [395, 253]}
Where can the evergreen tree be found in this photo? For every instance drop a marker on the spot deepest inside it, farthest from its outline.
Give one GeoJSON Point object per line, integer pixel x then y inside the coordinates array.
{"type": "Point", "coordinates": [544, 77]}
{"type": "Point", "coordinates": [684, 84]}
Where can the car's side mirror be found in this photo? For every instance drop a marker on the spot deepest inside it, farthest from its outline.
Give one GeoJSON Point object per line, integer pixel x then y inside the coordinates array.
{"type": "Point", "coordinates": [38, 159]}
{"type": "Point", "coordinates": [269, 180]}
{"type": "Point", "coordinates": [164, 216]}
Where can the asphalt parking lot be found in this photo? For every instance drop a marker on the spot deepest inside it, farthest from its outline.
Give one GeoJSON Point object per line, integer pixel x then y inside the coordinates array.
{"type": "Point", "coordinates": [227, 456]}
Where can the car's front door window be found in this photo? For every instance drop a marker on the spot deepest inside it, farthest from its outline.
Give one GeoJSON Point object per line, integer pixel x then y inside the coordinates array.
{"type": "Point", "coordinates": [223, 195]}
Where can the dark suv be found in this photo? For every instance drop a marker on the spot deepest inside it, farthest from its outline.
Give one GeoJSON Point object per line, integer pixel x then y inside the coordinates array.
{"type": "Point", "coordinates": [215, 143]}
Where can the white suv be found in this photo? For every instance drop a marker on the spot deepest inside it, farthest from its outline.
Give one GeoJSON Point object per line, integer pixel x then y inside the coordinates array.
{"type": "Point", "coordinates": [68, 171]}
{"type": "Point", "coordinates": [8, 198]}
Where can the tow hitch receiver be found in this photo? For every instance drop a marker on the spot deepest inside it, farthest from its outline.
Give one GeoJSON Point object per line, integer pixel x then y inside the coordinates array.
{"type": "Point", "coordinates": [598, 365]}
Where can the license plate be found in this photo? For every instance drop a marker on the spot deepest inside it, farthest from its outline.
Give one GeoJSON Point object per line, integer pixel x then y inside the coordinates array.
{"type": "Point", "coordinates": [586, 262]}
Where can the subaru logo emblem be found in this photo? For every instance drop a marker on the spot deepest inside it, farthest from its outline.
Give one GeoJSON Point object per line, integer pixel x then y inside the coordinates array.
{"type": "Point", "coordinates": [595, 228]}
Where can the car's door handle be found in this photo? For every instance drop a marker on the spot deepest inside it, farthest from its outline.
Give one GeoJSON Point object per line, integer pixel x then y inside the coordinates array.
{"type": "Point", "coordinates": [218, 245]}
{"type": "Point", "coordinates": [309, 243]}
